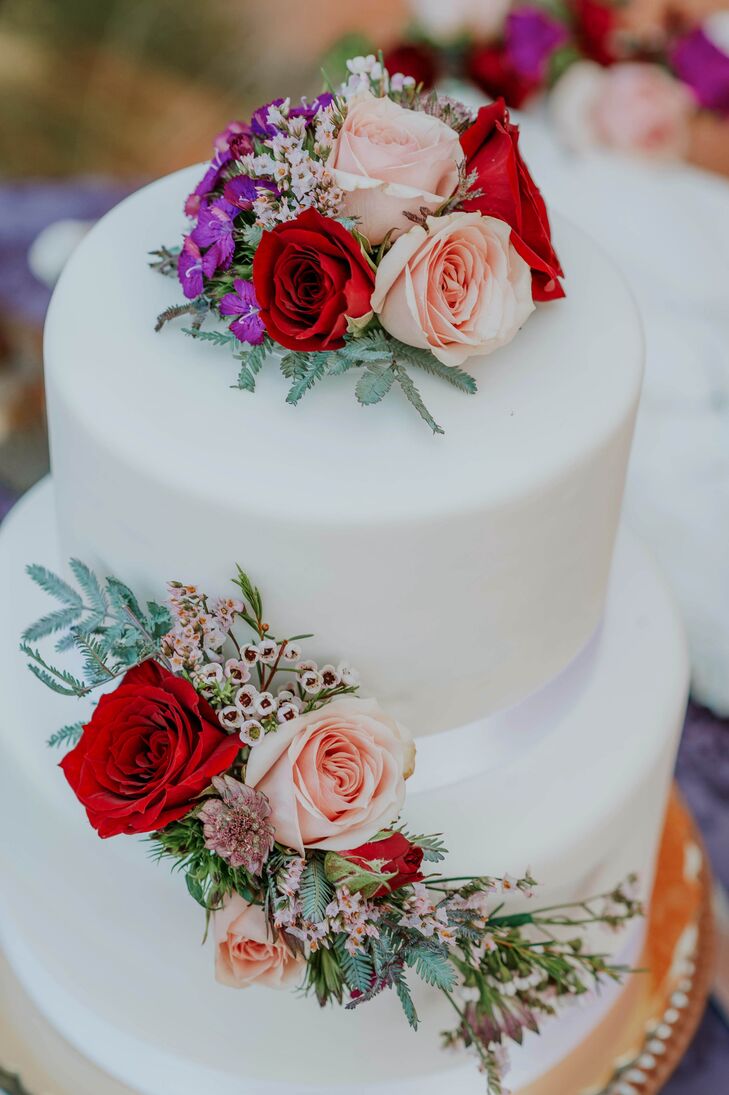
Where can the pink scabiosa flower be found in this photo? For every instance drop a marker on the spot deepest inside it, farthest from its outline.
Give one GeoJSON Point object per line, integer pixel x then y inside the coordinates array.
{"type": "Point", "coordinates": [247, 325]}
{"type": "Point", "coordinates": [237, 826]}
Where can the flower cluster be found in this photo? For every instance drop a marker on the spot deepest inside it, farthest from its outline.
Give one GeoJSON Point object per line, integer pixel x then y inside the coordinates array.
{"type": "Point", "coordinates": [277, 792]}
{"type": "Point", "coordinates": [612, 87]}
{"type": "Point", "coordinates": [375, 228]}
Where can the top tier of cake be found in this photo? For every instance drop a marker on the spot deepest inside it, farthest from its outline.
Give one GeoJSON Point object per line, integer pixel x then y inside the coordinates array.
{"type": "Point", "coordinates": [457, 573]}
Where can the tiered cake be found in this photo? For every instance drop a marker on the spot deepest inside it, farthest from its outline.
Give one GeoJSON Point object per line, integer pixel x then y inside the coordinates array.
{"type": "Point", "coordinates": [473, 580]}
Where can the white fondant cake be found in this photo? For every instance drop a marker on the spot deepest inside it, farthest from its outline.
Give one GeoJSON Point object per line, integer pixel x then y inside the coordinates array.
{"type": "Point", "coordinates": [384, 541]}
{"type": "Point", "coordinates": [549, 741]}
{"type": "Point", "coordinates": [574, 780]}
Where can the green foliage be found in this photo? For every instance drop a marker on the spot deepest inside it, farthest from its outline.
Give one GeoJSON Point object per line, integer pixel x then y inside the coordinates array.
{"type": "Point", "coordinates": [103, 622]}
{"type": "Point", "coordinates": [434, 850]}
{"type": "Point", "coordinates": [432, 964]}
{"type": "Point", "coordinates": [358, 969]}
{"type": "Point", "coordinates": [219, 338]}
{"type": "Point", "coordinates": [405, 998]}
{"type": "Point", "coordinates": [373, 385]}
{"type": "Point", "coordinates": [316, 891]}
{"type": "Point", "coordinates": [252, 361]}
{"type": "Point", "coordinates": [208, 878]}
{"type": "Point", "coordinates": [413, 396]}
{"type": "Point", "coordinates": [66, 736]}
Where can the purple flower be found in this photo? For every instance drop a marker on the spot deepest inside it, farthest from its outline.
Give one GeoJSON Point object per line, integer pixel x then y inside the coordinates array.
{"type": "Point", "coordinates": [232, 143]}
{"type": "Point", "coordinates": [189, 269]}
{"type": "Point", "coordinates": [242, 191]}
{"type": "Point", "coordinates": [701, 64]}
{"type": "Point", "coordinates": [532, 36]}
{"type": "Point", "coordinates": [237, 825]}
{"type": "Point", "coordinates": [215, 231]}
{"type": "Point", "coordinates": [235, 139]}
{"type": "Point", "coordinates": [248, 325]}
{"type": "Point", "coordinates": [261, 126]}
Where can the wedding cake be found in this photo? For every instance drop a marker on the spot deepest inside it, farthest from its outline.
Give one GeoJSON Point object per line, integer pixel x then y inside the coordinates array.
{"type": "Point", "coordinates": [479, 583]}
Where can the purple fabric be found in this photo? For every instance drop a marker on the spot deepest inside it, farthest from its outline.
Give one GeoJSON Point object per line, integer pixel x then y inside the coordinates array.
{"type": "Point", "coordinates": [703, 775]}
{"type": "Point", "coordinates": [705, 68]}
{"type": "Point", "coordinates": [26, 208]}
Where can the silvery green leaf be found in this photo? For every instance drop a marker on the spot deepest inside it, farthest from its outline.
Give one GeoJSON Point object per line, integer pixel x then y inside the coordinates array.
{"type": "Point", "coordinates": [373, 385]}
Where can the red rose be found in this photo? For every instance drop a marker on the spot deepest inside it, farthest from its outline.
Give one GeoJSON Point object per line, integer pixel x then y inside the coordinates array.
{"type": "Point", "coordinates": [396, 856]}
{"type": "Point", "coordinates": [149, 750]}
{"type": "Point", "coordinates": [416, 59]}
{"type": "Point", "coordinates": [309, 275]}
{"type": "Point", "coordinates": [490, 69]}
{"type": "Point", "coordinates": [491, 145]}
{"type": "Point", "coordinates": [596, 24]}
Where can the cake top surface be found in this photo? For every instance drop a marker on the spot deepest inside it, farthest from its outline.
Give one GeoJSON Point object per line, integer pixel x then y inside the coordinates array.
{"type": "Point", "coordinates": [165, 401]}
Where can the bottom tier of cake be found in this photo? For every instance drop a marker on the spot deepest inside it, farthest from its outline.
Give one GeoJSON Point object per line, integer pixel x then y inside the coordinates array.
{"type": "Point", "coordinates": [572, 782]}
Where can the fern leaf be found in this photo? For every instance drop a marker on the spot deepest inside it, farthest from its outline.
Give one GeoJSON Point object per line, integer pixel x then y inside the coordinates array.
{"type": "Point", "coordinates": [373, 385]}
{"type": "Point", "coordinates": [123, 601]}
{"type": "Point", "coordinates": [252, 361]}
{"type": "Point", "coordinates": [219, 338]}
{"type": "Point", "coordinates": [159, 619]}
{"type": "Point", "coordinates": [90, 586]}
{"type": "Point", "coordinates": [424, 360]}
{"type": "Point", "coordinates": [54, 586]}
{"type": "Point", "coordinates": [316, 891]}
{"type": "Point", "coordinates": [357, 968]}
{"type": "Point", "coordinates": [66, 736]}
{"type": "Point", "coordinates": [413, 395]}
{"type": "Point", "coordinates": [432, 966]}
{"type": "Point", "coordinates": [403, 992]}
{"type": "Point", "coordinates": [316, 365]}
{"type": "Point", "coordinates": [54, 621]}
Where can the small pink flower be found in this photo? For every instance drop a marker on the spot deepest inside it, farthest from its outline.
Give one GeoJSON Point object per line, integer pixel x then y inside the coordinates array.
{"type": "Point", "coordinates": [237, 825]}
{"type": "Point", "coordinates": [246, 951]}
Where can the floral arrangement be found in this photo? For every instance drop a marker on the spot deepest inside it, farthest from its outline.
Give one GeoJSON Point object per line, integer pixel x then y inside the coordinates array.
{"type": "Point", "coordinates": [608, 86]}
{"type": "Point", "coordinates": [376, 228]}
{"type": "Point", "coordinates": [277, 792]}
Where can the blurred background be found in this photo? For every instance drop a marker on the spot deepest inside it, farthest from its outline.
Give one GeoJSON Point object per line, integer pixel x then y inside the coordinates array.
{"type": "Point", "coordinates": [99, 96]}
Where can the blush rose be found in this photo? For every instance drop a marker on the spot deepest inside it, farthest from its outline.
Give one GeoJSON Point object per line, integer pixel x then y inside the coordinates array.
{"type": "Point", "coordinates": [334, 777]}
{"type": "Point", "coordinates": [633, 107]}
{"type": "Point", "coordinates": [388, 159]}
{"type": "Point", "coordinates": [246, 953]}
{"type": "Point", "coordinates": [151, 747]}
{"type": "Point", "coordinates": [457, 287]}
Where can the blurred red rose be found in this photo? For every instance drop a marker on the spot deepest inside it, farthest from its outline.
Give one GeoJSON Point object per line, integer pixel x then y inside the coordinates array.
{"type": "Point", "coordinates": [490, 69]}
{"type": "Point", "coordinates": [309, 275]}
{"type": "Point", "coordinates": [414, 59]}
{"type": "Point", "coordinates": [491, 145]}
{"type": "Point", "coordinates": [396, 856]}
{"type": "Point", "coordinates": [151, 747]}
{"type": "Point", "coordinates": [595, 25]}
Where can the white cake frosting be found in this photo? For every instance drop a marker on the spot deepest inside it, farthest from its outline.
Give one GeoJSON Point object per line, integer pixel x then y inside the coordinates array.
{"type": "Point", "coordinates": [487, 549]}
{"type": "Point", "coordinates": [572, 781]}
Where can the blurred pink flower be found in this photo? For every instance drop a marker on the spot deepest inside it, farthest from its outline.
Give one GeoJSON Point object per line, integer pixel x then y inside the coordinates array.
{"type": "Point", "coordinates": [632, 107]}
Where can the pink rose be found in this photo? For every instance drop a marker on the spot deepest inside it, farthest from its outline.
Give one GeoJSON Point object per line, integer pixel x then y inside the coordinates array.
{"type": "Point", "coordinates": [632, 107]}
{"type": "Point", "coordinates": [334, 777]}
{"type": "Point", "coordinates": [457, 288]}
{"type": "Point", "coordinates": [388, 159]}
{"type": "Point", "coordinates": [246, 953]}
